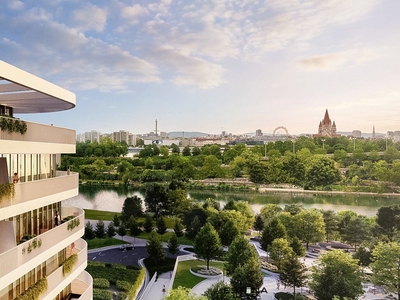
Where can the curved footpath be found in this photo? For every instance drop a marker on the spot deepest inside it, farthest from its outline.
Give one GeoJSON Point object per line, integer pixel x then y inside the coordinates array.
{"type": "Point", "coordinates": [269, 279]}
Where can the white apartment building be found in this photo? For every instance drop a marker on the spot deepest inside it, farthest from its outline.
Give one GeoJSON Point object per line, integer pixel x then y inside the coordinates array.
{"type": "Point", "coordinates": [38, 259]}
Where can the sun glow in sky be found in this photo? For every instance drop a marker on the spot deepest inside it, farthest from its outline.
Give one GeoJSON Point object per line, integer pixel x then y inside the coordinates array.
{"type": "Point", "coordinates": [213, 65]}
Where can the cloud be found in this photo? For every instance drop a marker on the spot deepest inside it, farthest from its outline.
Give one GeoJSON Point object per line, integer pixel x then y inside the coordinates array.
{"type": "Point", "coordinates": [15, 4]}
{"type": "Point", "coordinates": [59, 50]}
{"type": "Point", "coordinates": [132, 13]}
{"type": "Point", "coordinates": [190, 70]}
{"type": "Point", "coordinates": [90, 17]}
{"type": "Point", "coordinates": [333, 61]}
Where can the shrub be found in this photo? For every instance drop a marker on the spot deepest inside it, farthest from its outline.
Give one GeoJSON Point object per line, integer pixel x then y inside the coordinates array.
{"type": "Point", "coordinates": [34, 291]}
{"type": "Point", "coordinates": [99, 294]}
{"type": "Point", "coordinates": [101, 283]}
{"type": "Point", "coordinates": [69, 263]}
{"type": "Point", "coordinates": [123, 285]}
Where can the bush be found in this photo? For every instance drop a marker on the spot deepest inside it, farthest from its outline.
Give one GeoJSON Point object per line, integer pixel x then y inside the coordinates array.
{"type": "Point", "coordinates": [99, 294]}
{"type": "Point", "coordinates": [101, 283]}
{"type": "Point", "coordinates": [123, 285]}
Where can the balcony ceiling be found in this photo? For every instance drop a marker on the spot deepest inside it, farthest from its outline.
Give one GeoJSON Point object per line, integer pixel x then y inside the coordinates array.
{"type": "Point", "coordinates": [27, 93]}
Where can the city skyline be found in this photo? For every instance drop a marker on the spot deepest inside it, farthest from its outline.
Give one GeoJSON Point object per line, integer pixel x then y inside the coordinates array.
{"type": "Point", "coordinates": [211, 66]}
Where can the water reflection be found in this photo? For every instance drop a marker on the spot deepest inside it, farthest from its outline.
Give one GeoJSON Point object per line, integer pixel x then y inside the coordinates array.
{"type": "Point", "coordinates": [112, 199]}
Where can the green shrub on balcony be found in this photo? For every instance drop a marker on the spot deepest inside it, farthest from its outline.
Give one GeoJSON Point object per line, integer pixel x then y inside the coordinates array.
{"type": "Point", "coordinates": [34, 291]}
{"type": "Point", "coordinates": [13, 125]}
{"type": "Point", "coordinates": [69, 263]}
{"type": "Point", "coordinates": [73, 223]}
{"type": "Point", "coordinates": [7, 190]}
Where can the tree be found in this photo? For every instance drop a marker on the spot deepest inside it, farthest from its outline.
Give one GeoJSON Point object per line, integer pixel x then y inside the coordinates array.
{"type": "Point", "coordinates": [161, 227]}
{"type": "Point", "coordinates": [279, 250]}
{"type": "Point", "coordinates": [116, 220]}
{"type": "Point", "coordinates": [156, 199]}
{"type": "Point", "coordinates": [330, 223]}
{"type": "Point", "coordinates": [100, 230]}
{"type": "Point", "coordinates": [219, 291]}
{"type": "Point", "coordinates": [228, 232]}
{"type": "Point", "coordinates": [182, 293]}
{"type": "Point", "coordinates": [297, 246]}
{"type": "Point", "coordinates": [173, 246]}
{"type": "Point", "coordinates": [89, 233]}
{"type": "Point", "coordinates": [155, 249]}
{"type": "Point", "coordinates": [194, 228]}
{"type": "Point", "coordinates": [248, 274]}
{"type": "Point", "coordinates": [133, 226]}
{"type": "Point", "coordinates": [122, 231]}
{"type": "Point", "coordinates": [388, 220]}
{"type": "Point", "coordinates": [178, 228]}
{"type": "Point", "coordinates": [325, 280]}
{"type": "Point", "coordinates": [111, 230]}
{"type": "Point", "coordinates": [320, 171]}
{"type": "Point", "coordinates": [310, 226]}
{"type": "Point", "coordinates": [385, 266]}
{"type": "Point", "coordinates": [258, 223]}
{"type": "Point", "coordinates": [212, 167]}
{"type": "Point", "coordinates": [207, 244]}
{"type": "Point", "coordinates": [293, 273]}
{"type": "Point", "coordinates": [148, 224]}
{"type": "Point", "coordinates": [243, 265]}
{"type": "Point", "coordinates": [274, 230]}
{"type": "Point", "coordinates": [363, 255]}
{"type": "Point", "coordinates": [356, 231]}
{"type": "Point", "coordinates": [132, 207]}
{"type": "Point", "coordinates": [186, 151]}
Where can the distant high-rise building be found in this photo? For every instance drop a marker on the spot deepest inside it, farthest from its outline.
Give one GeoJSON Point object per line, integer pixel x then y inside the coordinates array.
{"type": "Point", "coordinates": [326, 127]}
{"type": "Point", "coordinates": [259, 132]}
{"type": "Point", "coordinates": [356, 133]}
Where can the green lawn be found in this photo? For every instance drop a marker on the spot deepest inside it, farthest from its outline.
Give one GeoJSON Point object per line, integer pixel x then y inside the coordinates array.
{"type": "Point", "coordinates": [92, 214]}
{"type": "Point", "coordinates": [97, 243]}
{"type": "Point", "coordinates": [183, 276]}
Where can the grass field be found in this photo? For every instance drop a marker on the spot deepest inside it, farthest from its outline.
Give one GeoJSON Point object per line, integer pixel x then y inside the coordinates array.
{"type": "Point", "coordinates": [92, 214]}
{"type": "Point", "coordinates": [97, 243]}
{"type": "Point", "coordinates": [183, 276]}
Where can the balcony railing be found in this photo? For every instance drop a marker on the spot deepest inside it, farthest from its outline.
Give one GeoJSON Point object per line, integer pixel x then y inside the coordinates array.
{"type": "Point", "coordinates": [83, 286]}
{"type": "Point", "coordinates": [56, 281]}
{"type": "Point", "coordinates": [42, 133]}
{"type": "Point", "coordinates": [67, 186]}
{"type": "Point", "coordinates": [18, 260]}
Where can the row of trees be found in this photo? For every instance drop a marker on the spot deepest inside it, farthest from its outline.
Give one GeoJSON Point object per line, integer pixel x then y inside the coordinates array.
{"type": "Point", "coordinates": [311, 169]}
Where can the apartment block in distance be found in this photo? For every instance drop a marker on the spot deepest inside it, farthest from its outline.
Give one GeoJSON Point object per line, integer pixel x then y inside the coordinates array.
{"type": "Point", "coordinates": [39, 259]}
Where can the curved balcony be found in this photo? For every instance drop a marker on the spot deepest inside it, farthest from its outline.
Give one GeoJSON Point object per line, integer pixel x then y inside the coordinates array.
{"type": "Point", "coordinates": [17, 261]}
{"type": "Point", "coordinates": [82, 284]}
{"type": "Point", "coordinates": [39, 138]}
{"type": "Point", "coordinates": [33, 194]}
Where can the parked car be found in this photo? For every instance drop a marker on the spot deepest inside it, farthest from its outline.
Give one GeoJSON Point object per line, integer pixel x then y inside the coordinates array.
{"type": "Point", "coordinates": [126, 247]}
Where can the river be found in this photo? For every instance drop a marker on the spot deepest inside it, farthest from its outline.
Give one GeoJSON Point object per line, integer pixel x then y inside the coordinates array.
{"type": "Point", "coordinates": [112, 199]}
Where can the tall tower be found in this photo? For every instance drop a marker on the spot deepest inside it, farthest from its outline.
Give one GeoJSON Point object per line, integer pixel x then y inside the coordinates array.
{"type": "Point", "coordinates": [373, 133]}
{"type": "Point", "coordinates": [34, 244]}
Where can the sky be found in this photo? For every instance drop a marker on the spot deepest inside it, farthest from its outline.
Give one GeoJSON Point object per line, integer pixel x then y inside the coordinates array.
{"type": "Point", "coordinates": [212, 65]}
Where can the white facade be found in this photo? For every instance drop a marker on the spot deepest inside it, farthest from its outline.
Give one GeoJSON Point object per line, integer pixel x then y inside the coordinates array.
{"type": "Point", "coordinates": [33, 248]}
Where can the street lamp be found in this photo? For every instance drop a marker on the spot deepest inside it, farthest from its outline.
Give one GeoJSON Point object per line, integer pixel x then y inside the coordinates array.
{"type": "Point", "coordinates": [323, 143]}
